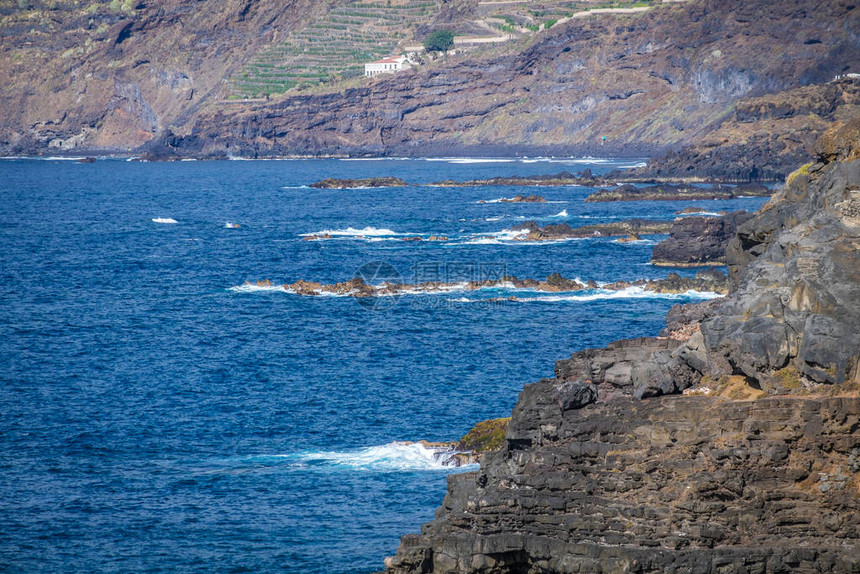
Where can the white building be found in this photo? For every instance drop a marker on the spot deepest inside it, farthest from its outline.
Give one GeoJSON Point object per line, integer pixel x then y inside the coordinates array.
{"type": "Point", "coordinates": [388, 65]}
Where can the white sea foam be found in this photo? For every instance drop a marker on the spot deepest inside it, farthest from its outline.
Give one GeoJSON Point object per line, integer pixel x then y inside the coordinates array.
{"type": "Point", "coordinates": [635, 242]}
{"type": "Point", "coordinates": [394, 456]}
{"type": "Point", "coordinates": [374, 159]}
{"type": "Point", "coordinates": [471, 160]}
{"type": "Point", "coordinates": [229, 225]}
{"type": "Point", "coordinates": [701, 214]}
{"type": "Point", "coordinates": [628, 293]}
{"type": "Point", "coordinates": [352, 232]}
{"type": "Point", "coordinates": [255, 288]}
{"type": "Point", "coordinates": [562, 213]}
{"type": "Point", "coordinates": [164, 220]}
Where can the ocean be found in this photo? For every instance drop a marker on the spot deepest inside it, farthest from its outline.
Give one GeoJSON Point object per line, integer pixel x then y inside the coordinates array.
{"type": "Point", "coordinates": [159, 414]}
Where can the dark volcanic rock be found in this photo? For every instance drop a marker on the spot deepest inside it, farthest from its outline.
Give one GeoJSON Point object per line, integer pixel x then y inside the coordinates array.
{"type": "Point", "coordinates": [765, 139]}
{"type": "Point", "coordinates": [332, 183]}
{"type": "Point", "coordinates": [664, 485]}
{"type": "Point", "coordinates": [697, 241]}
{"type": "Point", "coordinates": [627, 227]}
{"type": "Point", "coordinates": [584, 178]}
{"type": "Point", "coordinates": [670, 192]}
{"type": "Point", "coordinates": [797, 271]}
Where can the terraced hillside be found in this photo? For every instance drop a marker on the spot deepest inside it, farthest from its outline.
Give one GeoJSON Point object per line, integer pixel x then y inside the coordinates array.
{"type": "Point", "coordinates": [336, 44]}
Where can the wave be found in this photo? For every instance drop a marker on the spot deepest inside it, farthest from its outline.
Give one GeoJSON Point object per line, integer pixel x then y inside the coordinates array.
{"type": "Point", "coordinates": [562, 213]}
{"type": "Point", "coordinates": [471, 160]}
{"type": "Point", "coordinates": [391, 457]}
{"type": "Point", "coordinates": [164, 220]}
{"type": "Point", "coordinates": [374, 159]}
{"type": "Point", "coordinates": [628, 293]}
{"type": "Point", "coordinates": [701, 214]}
{"type": "Point", "coordinates": [352, 232]}
{"type": "Point", "coordinates": [510, 200]}
{"type": "Point", "coordinates": [635, 242]}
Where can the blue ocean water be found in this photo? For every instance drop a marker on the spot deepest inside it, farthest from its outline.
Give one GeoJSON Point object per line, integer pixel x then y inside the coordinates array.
{"type": "Point", "coordinates": [154, 417]}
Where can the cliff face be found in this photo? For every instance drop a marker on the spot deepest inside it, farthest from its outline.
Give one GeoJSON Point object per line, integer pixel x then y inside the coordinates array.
{"type": "Point", "coordinates": [765, 137]}
{"type": "Point", "coordinates": [657, 79]}
{"type": "Point", "coordinates": [112, 76]}
{"type": "Point", "coordinates": [119, 75]}
{"type": "Point", "coordinates": [607, 469]}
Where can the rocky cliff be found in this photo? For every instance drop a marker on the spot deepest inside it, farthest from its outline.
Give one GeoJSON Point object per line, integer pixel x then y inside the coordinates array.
{"type": "Point", "coordinates": [754, 468]}
{"type": "Point", "coordinates": [112, 75]}
{"type": "Point", "coordinates": [765, 137]}
{"type": "Point", "coordinates": [696, 240]}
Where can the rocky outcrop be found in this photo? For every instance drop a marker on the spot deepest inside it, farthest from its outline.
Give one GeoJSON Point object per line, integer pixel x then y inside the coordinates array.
{"type": "Point", "coordinates": [670, 192]}
{"type": "Point", "coordinates": [711, 282]}
{"type": "Point", "coordinates": [583, 178]}
{"type": "Point", "coordinates": [629, 227]}
{"type": "Point", "coordinates": [522, 199]}
{"type": "Point", "coordinates": [332, 183]}
{"type": "Point", "coordinates": [695, 241]}
{"type": "Point", "coordinates": [754, 468]}
{"type": "Point", "coordinates": [692, 484]}
{"type": "Point", "coordinates": [794, 321]}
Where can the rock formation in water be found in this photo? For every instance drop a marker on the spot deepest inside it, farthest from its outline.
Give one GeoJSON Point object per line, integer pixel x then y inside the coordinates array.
{"type": "Point", "coordinates": [754, 468]}
{"type": "Point", "coordinates": [332, 183]}
{"type": "Point", "coordinates": [670, 192]}
{"type": "Point", "coordinates": [555, 231]}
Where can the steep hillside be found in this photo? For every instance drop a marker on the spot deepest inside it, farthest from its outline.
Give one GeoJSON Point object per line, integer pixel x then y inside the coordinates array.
{"type": "Point", "coordinates": [156, 77]}
{"type": "Point", "coordinates": [659, 79]}
{"type": "Point", "coordinates": [111, 75]}
{"type": "Point", "coordinates": [765, 137]}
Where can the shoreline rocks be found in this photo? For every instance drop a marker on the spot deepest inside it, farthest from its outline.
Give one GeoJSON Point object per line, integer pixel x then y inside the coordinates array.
{"type": "Point", "coordinates": [705, 281]}
{"type": "Point", "coordinates": [630, 227]}
{"type": "Point", "coordinates": [681, 192]}
{"type": "Point", "coordinates": [520, 199]}
{"type": "Point", "coordinates": [696, 241]}
{"type": "Point", "coordinates": [583, 178]}
{"type": "Point", "coordinates": [371, 182]}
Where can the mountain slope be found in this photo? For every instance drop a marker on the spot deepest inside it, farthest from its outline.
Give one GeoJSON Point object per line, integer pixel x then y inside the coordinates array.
{"type": "Point", "coordinates": [660, 79]}
{"type": "Point", "coordinates": [112, 75]}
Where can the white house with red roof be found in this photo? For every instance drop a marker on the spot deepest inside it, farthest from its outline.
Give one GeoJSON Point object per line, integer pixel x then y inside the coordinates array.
{"type": "Point", "coordinates": [389, 65]}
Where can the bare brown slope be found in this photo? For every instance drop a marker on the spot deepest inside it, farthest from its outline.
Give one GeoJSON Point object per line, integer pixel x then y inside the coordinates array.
{"type": "Point", "coordinates": [765, 138]}
{"type": "Point", "coordinates": [657, 80]}
{"type": "Point", "coordinates": [77, 78]}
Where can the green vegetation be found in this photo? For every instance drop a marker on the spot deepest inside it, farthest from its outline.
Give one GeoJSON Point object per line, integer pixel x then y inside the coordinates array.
{"type": "Point", "coordinates": [802, 170]}
{"type": "Point", "coordinates": [789, 378]}
{"type": "Point", "coordinates": [335, 44]}
{"type": "Point", "coordinates": [332, 47]}
{"type": "Point", "coordinates": [439, 41]}
{"type": "Point", "coordinates": [485, 436]}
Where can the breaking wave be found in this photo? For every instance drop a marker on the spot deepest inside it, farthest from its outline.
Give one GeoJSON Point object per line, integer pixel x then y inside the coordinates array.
{"type": "Point", "coordinates": [352, 232]}
{"type": "Point", "coordinates": [597, 295]}
{"type": "Point", "coordinates": [391, 457]}
{"type": "Point", "coordinates": [164, 220]}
